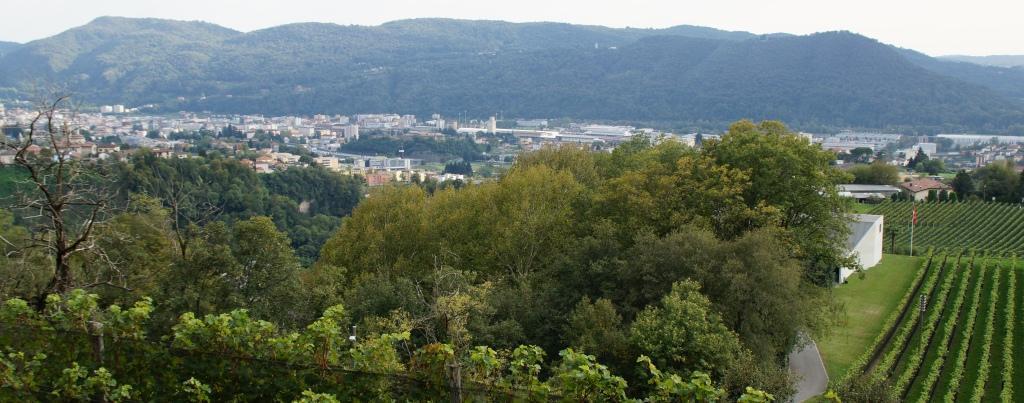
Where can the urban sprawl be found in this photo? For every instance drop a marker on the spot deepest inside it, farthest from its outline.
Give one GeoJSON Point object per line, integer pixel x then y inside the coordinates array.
{"type": "Point", "coordinates": [274, 143]}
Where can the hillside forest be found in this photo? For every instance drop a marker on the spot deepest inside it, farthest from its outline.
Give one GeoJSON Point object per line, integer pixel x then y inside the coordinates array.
{"type": "Point", "coordinates": [683, 78]}
{"type": "Point", "coordinates": [655, 270]}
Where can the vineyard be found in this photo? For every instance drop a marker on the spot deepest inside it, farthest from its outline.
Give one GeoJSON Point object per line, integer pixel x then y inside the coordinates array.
{"type": "Point", "coordinates": [996, 228]}
{"type": "Point", "coordinates": [954, 335]}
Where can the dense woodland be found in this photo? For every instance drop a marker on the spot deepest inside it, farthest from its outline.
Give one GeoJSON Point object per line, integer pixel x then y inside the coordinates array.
{"type": "Point", "coordinates": [655, 270]}
{"type": "Point", "coordinates": [451, 147]}
{"type": "Point", "coordinates": [199, 190]}
{"type": "Point", "coordinates": [686, 78]}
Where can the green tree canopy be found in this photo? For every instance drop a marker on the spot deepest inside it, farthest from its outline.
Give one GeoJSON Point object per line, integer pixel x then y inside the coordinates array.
{"type": "Point", "coordinates": [963, 184]}
{"type": "Point", "coordinates": [795, 177]}
{"type": "Point", "coordinates": [997, 181]}
{"type": "Point", "coordinates": [875, 173]}
{"type": "Point", "coordinates": [683, 332]}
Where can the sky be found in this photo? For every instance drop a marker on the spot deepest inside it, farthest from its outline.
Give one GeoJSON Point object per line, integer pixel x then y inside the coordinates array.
{"type": "Point", "coordinates": [935, 27]}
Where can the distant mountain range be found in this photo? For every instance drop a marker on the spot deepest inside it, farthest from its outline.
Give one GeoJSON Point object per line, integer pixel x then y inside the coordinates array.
{"type": "Point", "coordinates": [683, 76]}
{"type": "Point", "coordinates": [6, 47]}
{"type": "Point", "coordinates": [994, 60]}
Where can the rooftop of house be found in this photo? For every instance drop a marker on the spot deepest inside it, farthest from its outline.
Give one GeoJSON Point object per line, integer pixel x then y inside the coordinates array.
{"type": "Point", "coordinates": [921, 185]}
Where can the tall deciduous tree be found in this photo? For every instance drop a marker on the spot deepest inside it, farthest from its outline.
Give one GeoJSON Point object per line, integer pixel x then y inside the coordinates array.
{"type": "Point", "coordinates": [963, 184]}
{"type": "Point", "coordinates": [64, 201]}
{"type": "Point", "coordinates": [138, 243]}
{"type": "Point", "coordinates": [997, 181]}
{"type": "Point", "coordinates": [876, 173]}
{"type": "Point", "coordinates": [684, 333]}
{"type": "Point", "coordinates": [790, 174]}
{"type": "Point", "coordinates": [267, 279]}
{"type": "Point", "coordinates": [862, 154]}
{"type": "Point", "coordinates": [597, 328]}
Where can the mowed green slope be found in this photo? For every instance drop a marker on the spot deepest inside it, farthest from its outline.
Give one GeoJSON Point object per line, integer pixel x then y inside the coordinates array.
{"type": "Point", "coordinates": [868, 302]}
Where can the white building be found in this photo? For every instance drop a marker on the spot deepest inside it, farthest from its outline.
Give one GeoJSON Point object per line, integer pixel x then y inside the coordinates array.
{"type": "Point", "coordinates": [605, 130]}
{"type": "Point", "coordinates": [287, 158]}
{"type": "Point", "coordinates": [864, 242]}
{"type": "Point", "coordinates": [118, 108]}
{"type": "Point", "coordinates": [532, 123]}
{"type": "Point", "coordinates": [929, 149]}
{"type": "Point", "coordinates": [331, 163]}
{"type": "Point", "coordinates": [387, 164]}
{"type": "Point", "coordinates": [451, 177]}
{"type": "Point", "coordinates": [351, 132]}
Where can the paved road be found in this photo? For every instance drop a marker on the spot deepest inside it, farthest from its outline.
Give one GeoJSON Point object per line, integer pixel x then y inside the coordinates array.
{"type": "Point", "coordinates": [807, 364]}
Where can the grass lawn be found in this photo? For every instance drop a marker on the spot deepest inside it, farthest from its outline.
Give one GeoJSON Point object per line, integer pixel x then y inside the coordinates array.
{"type": "Point", "coordinates": [868, 301]}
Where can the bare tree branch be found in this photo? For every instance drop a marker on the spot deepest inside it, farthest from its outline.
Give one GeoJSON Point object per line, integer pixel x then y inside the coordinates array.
{"type": "Point", "coordinates": [64, 202]}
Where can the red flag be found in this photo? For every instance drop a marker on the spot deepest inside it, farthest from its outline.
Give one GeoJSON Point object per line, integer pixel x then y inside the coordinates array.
{"type": "Point", "coordinates": [915, 214]}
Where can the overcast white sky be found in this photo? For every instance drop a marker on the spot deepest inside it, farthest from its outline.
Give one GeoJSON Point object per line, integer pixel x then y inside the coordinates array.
{"type": "Point", "coordinates": [936, 27]}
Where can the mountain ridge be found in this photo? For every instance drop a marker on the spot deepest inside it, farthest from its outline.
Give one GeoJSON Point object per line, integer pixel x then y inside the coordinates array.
{"type": "Point", "coordinates": [682, 76]}
{"type": "Point", "coordinates": [990, 60]}
{"type": "Point", "coordinates": [6, 47]}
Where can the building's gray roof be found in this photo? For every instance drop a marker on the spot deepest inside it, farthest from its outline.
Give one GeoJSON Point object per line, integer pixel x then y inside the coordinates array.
{"type": "Point", "coordinates": [852, 188]}
{"type": "Point", "coordinates": [871, 218]}
{"type": "Point", "coordinates": [859, 227]}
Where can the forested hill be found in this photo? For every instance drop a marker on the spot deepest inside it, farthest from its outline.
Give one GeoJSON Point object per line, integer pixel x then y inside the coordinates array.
{"type": "Point", "coordinates": [994, 60]}
{"type": "Point", "coordinates": [1007, 81]}
{"type": "Point", "coordinates": [685, 76]}
{"type": "Point", "coordinates": [6, 47]}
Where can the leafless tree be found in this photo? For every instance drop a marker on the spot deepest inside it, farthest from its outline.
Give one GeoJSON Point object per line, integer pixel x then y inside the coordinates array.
{"type": "Point", "coordinates": [63, 199]}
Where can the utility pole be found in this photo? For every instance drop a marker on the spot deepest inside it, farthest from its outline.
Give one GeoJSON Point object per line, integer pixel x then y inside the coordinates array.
{"type": "Point", "coordinates": [893, 232]}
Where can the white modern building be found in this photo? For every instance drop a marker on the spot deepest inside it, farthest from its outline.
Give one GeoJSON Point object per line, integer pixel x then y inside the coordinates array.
{"type": "Point", "coordinates": [864, 242]}
{"type": "Point", "coordinates": [608, 131]}
{"type": "Point", "coordinates": [387, 164]}
{"type": "Point", "coordinates": [351, 132]}
{"type": "Point", "coordinates": [929, 149]}
{"type": "Point", "coordinates": [532, 123]}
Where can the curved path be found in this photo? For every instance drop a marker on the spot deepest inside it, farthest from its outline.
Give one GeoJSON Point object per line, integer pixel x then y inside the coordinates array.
{"type": "Point", "coordinates": [807, 365]}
